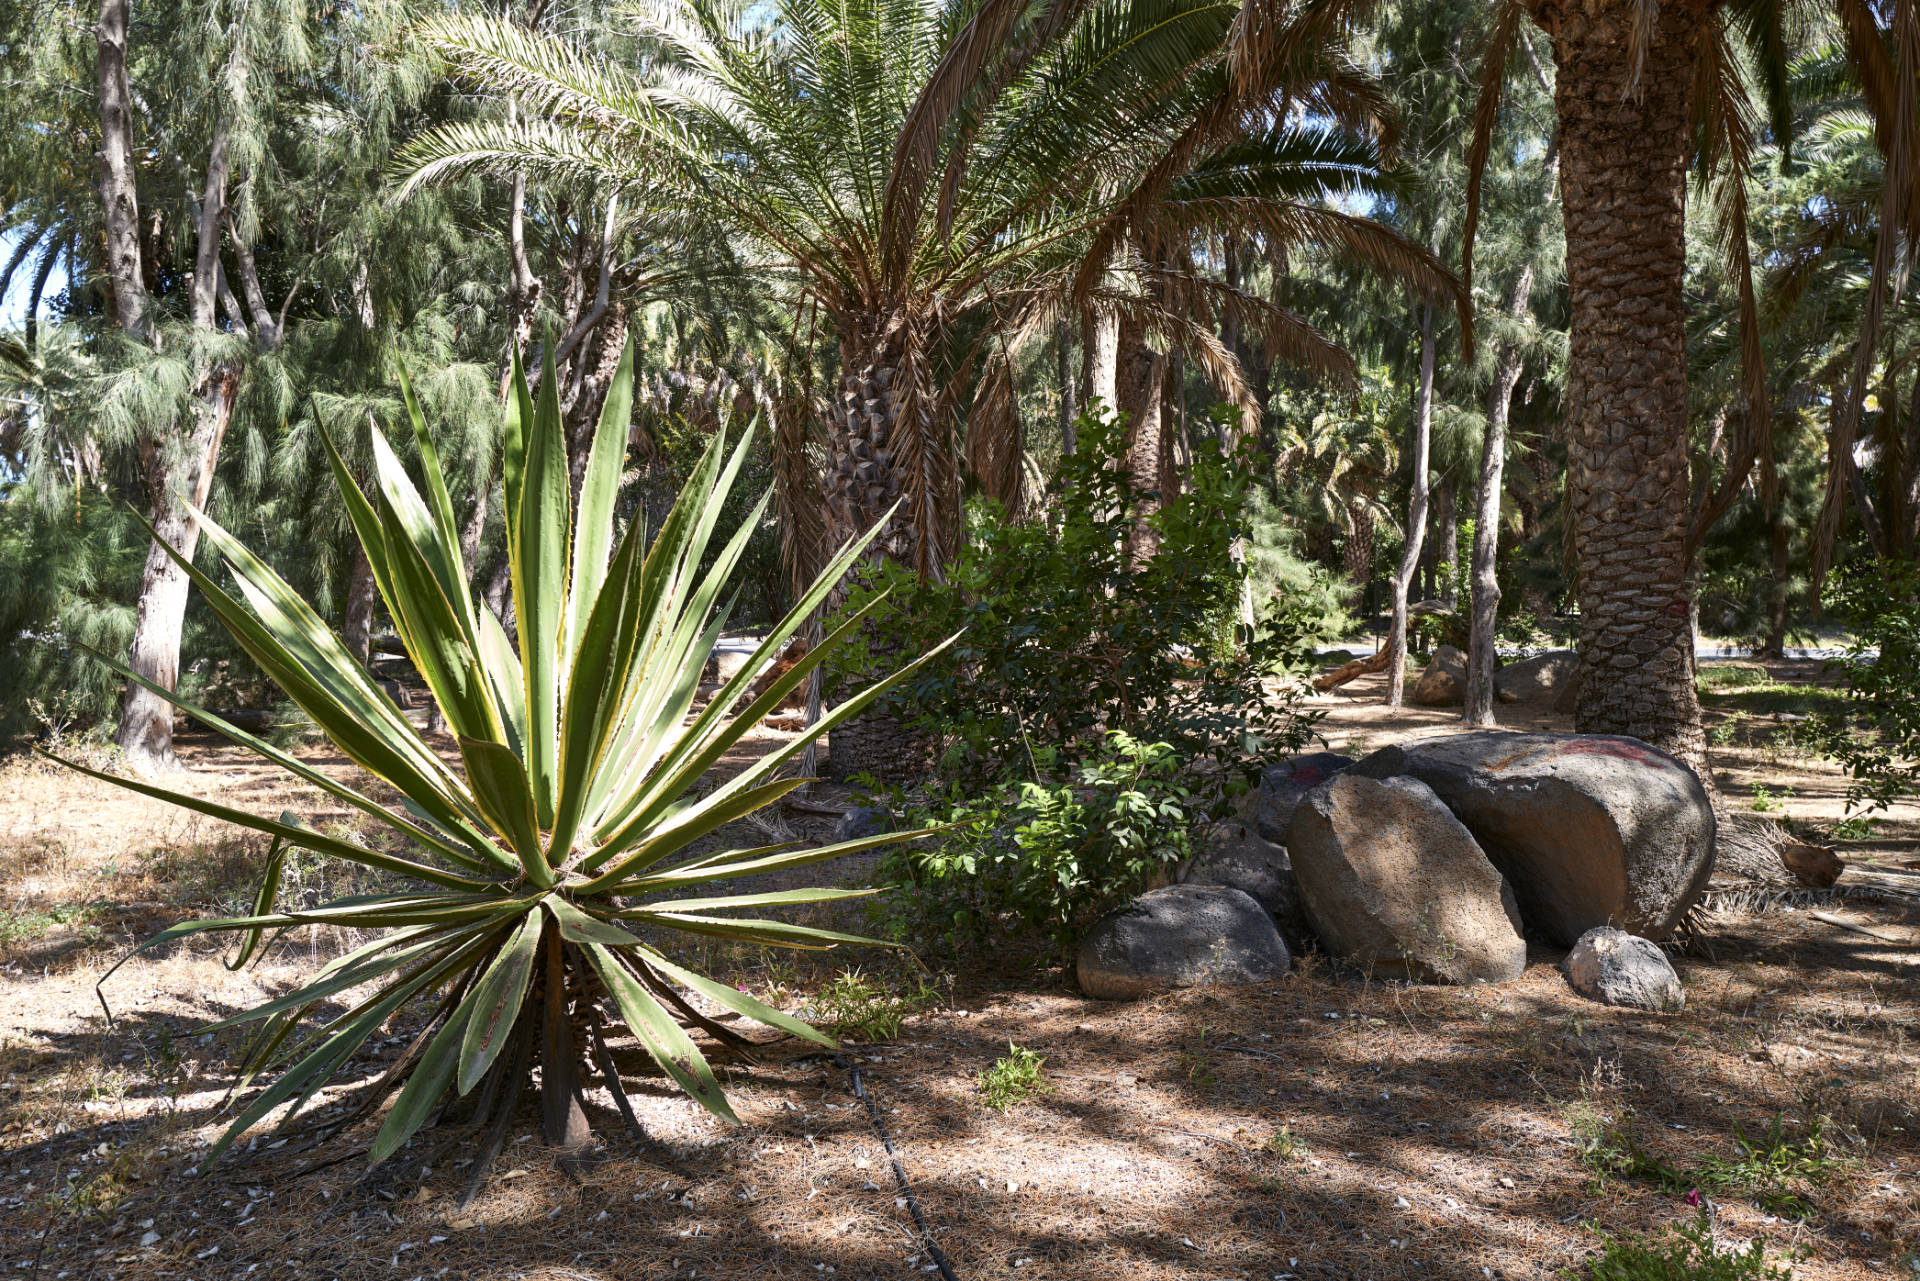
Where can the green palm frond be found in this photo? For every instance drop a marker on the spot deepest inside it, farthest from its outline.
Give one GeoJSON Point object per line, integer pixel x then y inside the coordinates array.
{"type": "Point", "coordinates": [542, 871]}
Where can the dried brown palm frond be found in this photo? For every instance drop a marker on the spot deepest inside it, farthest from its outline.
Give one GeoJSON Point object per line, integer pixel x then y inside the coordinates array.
{"type": "Point", "coordinates": [1501, 41]}
{"type": "Point", "coordinates": [996, 441]}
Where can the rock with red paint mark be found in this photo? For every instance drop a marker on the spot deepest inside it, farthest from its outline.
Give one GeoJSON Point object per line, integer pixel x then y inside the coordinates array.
{"type": "Point", "coordinates": [1281, 787]}
{"type": "Point", "coordinates": [1590, 829]}
{"type": "Point", "coordinates": [1392, 882]}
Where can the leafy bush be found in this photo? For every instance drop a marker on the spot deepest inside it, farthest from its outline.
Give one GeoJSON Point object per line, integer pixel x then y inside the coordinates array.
{"type": "Point", "coordinates": [1879, 739]}
{"type": "Point", "coordinates": [583, 787]}
{"type": "Point", "coordinates": [1681, 1254]}
{"type": "Point", "coordinates": [1069, 630]}
{"type": "Point", "coordinates": [1050, 854]}
{"type": "Point", "coordinates": [860, 1008]}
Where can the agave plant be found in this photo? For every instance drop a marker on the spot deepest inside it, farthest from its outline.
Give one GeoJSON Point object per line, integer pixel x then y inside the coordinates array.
{"type": "Point", "coordinates": [540, 872]}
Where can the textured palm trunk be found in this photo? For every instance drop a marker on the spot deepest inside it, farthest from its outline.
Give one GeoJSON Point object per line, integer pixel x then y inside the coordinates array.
{"type": "Point", "coordinates": [1141, 375]}
{"type": "Point", "coordinates": [1416, 515]}
{"type": "Point", "coordinates": [1482, 660]}
{"type": "Point", "coordinates": [1623, 154]}
{"type": "Point", "coordinates": [883, 448]}
{"type": "Point", "coordinates": [1100, 360]}
{"type": "Point", "coordinates": [357, 626]}
{"type": "Point", "coordinates": [1063, 374]}
{"type": "Point", "coordinates": [1357, 557]}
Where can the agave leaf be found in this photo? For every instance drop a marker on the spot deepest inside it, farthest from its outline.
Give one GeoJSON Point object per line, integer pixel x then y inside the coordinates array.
{"type": "Point", "coordinates": [501, 789]}
{"type": "Point", "coordinates": [262, 901]}
{"type": "Point", "coordinates": [751, 929]}
{"type": "Point", "coordinates": [711, 813]}
{"type": "Point", "coordinates": [537, 547]}
{"type": "Point", "coordinates": [496, 1002]}
{"type": "Point", "coordinates": [427, 832]}
{"type": "Point", "coordinates": [770, 898]}
{"type": "Point", "coordinates": [734, 863]}
{"type": "Point", "coordinates": [662, 1036]}
{"type": "Point", "coordinates": [599, 490]}
{"type": "Point", "coordinates": [388, 955]}
{"type": "Point", "coordinates": [447, 524]}
{"type": "Point", "coordinates": [305, 837]}
{"type": "Point", "coordinates": [732, 998]}
{"type": "Point", "coordinates": [577, 926]}
{"type": "Point", "coordinates": [410, 522]}
{"type": "Point", "coordinates": [427, 1082]}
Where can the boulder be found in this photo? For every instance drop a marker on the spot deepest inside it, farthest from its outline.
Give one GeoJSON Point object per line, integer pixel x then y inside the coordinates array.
{"type": "Point", "coordinates": [862, 821]}
{"type": "Point", "coordinates": [1237, 856]}
{"type": "Point", "coordinates": [1443, 681]}
{"type": "Point", "coordinates": [1617, 968]}
{"type": "Point", "coordinates": [1282, 786]}
{"type": "Point", "coordinates": [1391, 880]}
{"type": "Point", "coordinates": [1812, 865]}
{"type": "Point", "coordinates": [1181, 936]}
{"type": "Point", "coordinates": [1539, 679]}
{"type": "Point", "coordinates": [1591, 829]}
{"type": "Point", "coordinates": [728, 662]}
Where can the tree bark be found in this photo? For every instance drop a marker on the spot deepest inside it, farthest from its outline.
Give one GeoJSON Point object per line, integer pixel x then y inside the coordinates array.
{"type": "Point", "coordinates": [1624, 141]}
{"type": "Point", "coordinates": [1140, 380]}
{"type": "Point", "coordinates": [119, 190]}
{"type": "Point", "coordinates": [1482, 660]}
{"type": "Point", "coordinates": [1100, 360]}
{"type": "Point", "coordinates": [356, 627]}
{"type": "Point", "coordinates": [1416, 514]}
{"type": "Point", "coordinates": [883, 448]}
{"type": "Point", "coordinates": [1446, 542]}
{"type": "Point", "coordinates": [179, 471]}
{"type": "Point", "coordinates": [1063, 372]}
{"type": "Point", "coordinates": [1777, 548]}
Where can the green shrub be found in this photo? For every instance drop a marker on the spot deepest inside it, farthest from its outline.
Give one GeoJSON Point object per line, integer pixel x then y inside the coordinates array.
{"type": "Point", "coordinates": [859, 1008]}
{"type": "Point", "coordinates": [1069, 631]}
{"type": "Point", "coordinates": [1878, 739]}
{"type": "Point", "coordinates": [1049, 855]}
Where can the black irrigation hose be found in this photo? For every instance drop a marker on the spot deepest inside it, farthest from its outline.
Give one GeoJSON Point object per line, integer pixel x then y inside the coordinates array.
{"type": "Point", "coordinates": [899, 1170]}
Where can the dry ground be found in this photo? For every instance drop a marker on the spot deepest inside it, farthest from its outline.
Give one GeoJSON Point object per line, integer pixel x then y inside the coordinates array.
{"type": "Point", "coordinates": [1330, 1127]}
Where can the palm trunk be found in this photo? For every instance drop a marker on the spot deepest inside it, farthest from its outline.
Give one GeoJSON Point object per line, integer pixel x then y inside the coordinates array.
{"type": "Point", "coordinates": [1063, 373]}
{"type": "Point", "coordinates": [1100, 354]}
{"type": "Point", "coordinates": [883, 448]}
{"type": "Point", "coordinates": [1416, 515]}
{"type": "Point", "coordinates": [1777, 547]}
{"type": "Point", "coordinates": [1482, 660]}
{"type": "Point", "coordinates": [1624, 156]}
{"type": "Point", "coordinates": [356, 628]}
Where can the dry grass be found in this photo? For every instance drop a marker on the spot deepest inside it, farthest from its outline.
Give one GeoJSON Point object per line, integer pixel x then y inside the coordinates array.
{"type": "Point", "coordinates": [1328, 1127]}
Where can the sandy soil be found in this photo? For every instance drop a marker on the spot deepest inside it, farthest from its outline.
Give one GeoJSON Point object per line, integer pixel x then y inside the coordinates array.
{"type": "Point", "coordinates": [1330, 1127]}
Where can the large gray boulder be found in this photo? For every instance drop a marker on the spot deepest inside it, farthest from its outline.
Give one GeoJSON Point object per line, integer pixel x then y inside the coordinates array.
{"type": "Point", "coordinates": [1591, 829]}
{"type": "Point", "coordinates": [1542, 678]}
{"type": "Point", "coordinates": [1282, 786]}
{"type": "Point", "coordinates": [1181, 936]}
{"type": "Point", "coordinates": [1392, 881]}
{"type": "Point", "coordinates": [1617, 968]}
{"type": "Point", "coordinates": [1237, 856]}
{"type": "Point", "coordinates": [1443, 681]}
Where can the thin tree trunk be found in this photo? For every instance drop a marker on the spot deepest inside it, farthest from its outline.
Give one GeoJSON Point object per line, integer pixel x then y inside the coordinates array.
{"type": "Point", "coordinates": [1446, 549]}
{"type": "Point", "coordinates": [119, 189]}
{"type": "Point", "coordinates": [1141, 375]}
{"type": "Point", "coordinates": [1482, 660]}
{"type": "Point", "coordinates": [1777, 548]}
{"type": "Point", "coordinates": [146, 720]}
{"type": "Point", "coordinates": [1624, 157]}
{"type": "Point", "coordinates": [1063, 372]}
{"type": "Point", "coordinates": [356, 628]}
{"type": "Point", "coordinates": [1416, 514]}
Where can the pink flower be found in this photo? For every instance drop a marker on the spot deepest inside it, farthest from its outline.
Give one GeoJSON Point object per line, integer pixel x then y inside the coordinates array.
{"type": "Point", "coordinates": [1693, 1198]}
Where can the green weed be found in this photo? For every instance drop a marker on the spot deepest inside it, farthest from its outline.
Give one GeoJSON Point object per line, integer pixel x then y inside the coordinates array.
{"type": "Point", "coordinates": [854, 1007]}
{"type": "Point", "coordinates": [1681, 1254]}
{"type": "Point", "coordinates": [1857, 827]}
{"type": "Point", "coordinates": [1013, 1079]}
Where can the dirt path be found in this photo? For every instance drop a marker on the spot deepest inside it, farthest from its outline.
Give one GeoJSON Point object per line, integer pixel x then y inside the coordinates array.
{"type": "Point", "coordinates": [1330, 1127]}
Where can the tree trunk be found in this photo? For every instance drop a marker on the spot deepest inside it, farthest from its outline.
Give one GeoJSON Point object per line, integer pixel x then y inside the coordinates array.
{"type": "Point", "coordinates": [1623, 158]}
{"type": "Point", "coordinates": [1777, 546]}
{"type": "Point", "coordinates": [1416, 514]}
{"type": "Point", "coordinates": [884, 448]}
{"type": "Point", "coordinates": [119, 191]}
{"type": "Point", "coordinates": [356, 628]}
{"type": "Point", "coordinates": [1141, 375]}
{"type": "Point", "coordinates": [146, 719]}
{"type": "Point", "coordinates": [1446, 547]}
{"type": "Point", "coordinates": [1482, 660]}
{"type": "Point", "coordinates": [1099, 359]}
{"type": "Point", "coordinates": [1357, 557]}
{"type": "Point", "coordinates": [1063, 372]}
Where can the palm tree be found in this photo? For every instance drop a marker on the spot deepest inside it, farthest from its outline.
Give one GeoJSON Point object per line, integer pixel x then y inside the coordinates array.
{"type": "Point", "coordinates": [1643, 93]}
{"type": "Point", "coordinates": [936, 183]}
